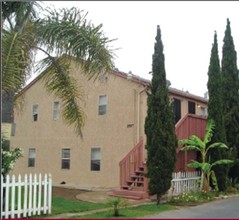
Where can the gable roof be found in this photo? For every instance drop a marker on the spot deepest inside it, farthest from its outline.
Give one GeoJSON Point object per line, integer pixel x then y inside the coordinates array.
{"type": "Point", "coordinates": [133, 78]}
{"type": "Point", "coordinates": [173, 91]}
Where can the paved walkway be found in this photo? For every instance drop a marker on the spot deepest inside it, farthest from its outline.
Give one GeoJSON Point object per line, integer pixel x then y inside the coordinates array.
{"type": "Point", "coordinates": [97, 197]}
{"type": "Point", "coordinates": [100, 197]}
{"type": "Point", "coordinates": [218, 209]}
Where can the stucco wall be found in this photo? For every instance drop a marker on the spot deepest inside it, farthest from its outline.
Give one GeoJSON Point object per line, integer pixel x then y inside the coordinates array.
{"type": "Point", "coordinates": [114, 133]}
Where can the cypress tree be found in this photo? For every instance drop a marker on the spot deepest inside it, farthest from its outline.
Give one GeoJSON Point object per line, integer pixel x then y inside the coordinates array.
{"type": "Point", "coordinates": [159, 127]}
{"type": "Point", "coordinates": [230, 88]}
{"type": "Point", "coordinates": [215, 112]}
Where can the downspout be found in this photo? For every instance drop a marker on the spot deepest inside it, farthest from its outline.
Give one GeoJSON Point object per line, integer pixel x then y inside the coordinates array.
{"type": "Point", "coordinates": [138, 114]}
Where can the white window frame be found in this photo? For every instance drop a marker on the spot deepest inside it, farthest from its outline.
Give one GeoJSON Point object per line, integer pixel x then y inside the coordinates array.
{"type": "Point", "coordinates": [102, 108]}
{"type": "Point", "coordinates": [65, 159]}
{"type": "Point", "coordinates": [35, 109]}
{"type": "Point", "coordinates": [56, 110]}
{"type": "Point", "coordinates": [31, 157]}
{"type": "Point", "coordinates": [95, 160]}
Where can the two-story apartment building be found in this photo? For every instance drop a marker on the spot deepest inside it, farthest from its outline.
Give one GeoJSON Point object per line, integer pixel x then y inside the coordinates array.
{"type": "Point", "coordinates": [116, 107]}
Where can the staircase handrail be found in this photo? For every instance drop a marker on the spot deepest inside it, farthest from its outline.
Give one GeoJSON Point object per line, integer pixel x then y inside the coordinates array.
{"type": "Point", "coordinates": [131, 162]}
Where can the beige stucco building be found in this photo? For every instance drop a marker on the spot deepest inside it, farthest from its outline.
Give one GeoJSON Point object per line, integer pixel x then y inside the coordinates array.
{"type": "Point", "coordinates": [116, 107]}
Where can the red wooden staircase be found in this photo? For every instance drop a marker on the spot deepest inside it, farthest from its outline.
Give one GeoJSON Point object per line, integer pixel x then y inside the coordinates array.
{"type": "Point", "coordinates": [133, 183]}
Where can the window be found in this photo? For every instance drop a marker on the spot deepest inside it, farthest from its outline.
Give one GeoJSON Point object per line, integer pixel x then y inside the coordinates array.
{"type": "Point", "coordinates": [95, 159]}
{"type": "Point", "coordinates": [65, 161]}
{"type": "Point", "coordinates": [35, 112]}
{"type": "Point", "coordinates": [31, 157]}
{"type": "Point", "coordinates": [203, 111]}
{"type": "Point", "coordinates": [102, 104]}
{"type": "Point", "coordinates": [56, 110]}
{"type": "Point", "coordinates": [177, 109]}
{"type": "Point", "coordinates": [191, 107]}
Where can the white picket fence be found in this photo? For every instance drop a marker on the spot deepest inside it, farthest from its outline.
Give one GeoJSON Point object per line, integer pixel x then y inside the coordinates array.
{"type": "Point", "coordinates": [27, 197]}
{"type": "Point", "coordinates": [183, 182]}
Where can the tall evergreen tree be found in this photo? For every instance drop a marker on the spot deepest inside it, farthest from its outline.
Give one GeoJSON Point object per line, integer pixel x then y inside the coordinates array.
{"type": "Point", "coordinates": [215, 112]}
{"type": "Point", "coordinates": [159, 127]}
{"type": "Point", "coordinates": [230, 88]}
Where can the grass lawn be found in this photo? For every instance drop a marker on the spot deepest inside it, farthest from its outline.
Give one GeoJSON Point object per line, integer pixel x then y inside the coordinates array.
{"type": "Point", "coordinates": [131, 212]}
{"type": "Point", "coordinates": [60, 205]}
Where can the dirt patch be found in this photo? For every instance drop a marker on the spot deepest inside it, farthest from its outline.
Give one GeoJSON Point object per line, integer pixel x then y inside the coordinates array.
{"type": "Point", "coordinates": [66, 193]}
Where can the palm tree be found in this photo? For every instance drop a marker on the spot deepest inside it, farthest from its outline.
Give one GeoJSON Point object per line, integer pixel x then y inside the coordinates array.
{"type": "Point", "coordinates": [63, 36]}
{"type": "Point", "coordinates": [194, 143]}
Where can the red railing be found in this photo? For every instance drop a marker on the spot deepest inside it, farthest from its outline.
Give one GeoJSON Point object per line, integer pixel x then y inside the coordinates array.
{"type": "Point", "coordinates": [131, 162]}
{"type": "Point", "coordinates": [190, 124]}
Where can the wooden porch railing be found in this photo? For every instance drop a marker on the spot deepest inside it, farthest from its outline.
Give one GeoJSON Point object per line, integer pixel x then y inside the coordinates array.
{"type": "Point", "coordinates": [131, 162]}
{"type": "Point", "coordinates": [190, 124]}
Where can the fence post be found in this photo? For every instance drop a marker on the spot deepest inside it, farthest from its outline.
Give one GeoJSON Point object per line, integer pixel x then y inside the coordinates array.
{"type": "Point", "coordinates": [19, 196]}
{"type": "Point", "coordinates": [7, 196]}
{"type": "Point", "coordinates": [1, 196]}
{"type": "Point", "coordinates": [45, 195]}
{"type": "Point", "coordinates": [30, 196]}
{"type": "Point", "coordinates": [34, 193]}
{"type": "Point", "coordinates": [39, 194]}
{"type": "Point", "coordinates": [13, 196]}
{"type": "Point", "coordinates": [49, 193]}
{"type": "Point", "coordinates": [25, 196]}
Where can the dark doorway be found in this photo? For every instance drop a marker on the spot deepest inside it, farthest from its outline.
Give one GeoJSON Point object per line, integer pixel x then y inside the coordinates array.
{"type": "Point", "coordinates": [177, 109]}
{"type": "Point", "coordinates": [191, 107]}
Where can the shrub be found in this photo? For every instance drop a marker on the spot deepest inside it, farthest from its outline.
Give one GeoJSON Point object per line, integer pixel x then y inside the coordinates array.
{"type": "Point", "coordinates": [192, 197]}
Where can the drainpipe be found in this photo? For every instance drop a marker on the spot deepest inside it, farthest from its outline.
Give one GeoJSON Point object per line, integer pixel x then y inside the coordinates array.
{"type": "Point", "coordinates": [138, 114]}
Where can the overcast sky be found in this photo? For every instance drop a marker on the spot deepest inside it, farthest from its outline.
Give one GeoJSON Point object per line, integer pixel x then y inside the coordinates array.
{"type": "Point", "coordinates": [187, 33]}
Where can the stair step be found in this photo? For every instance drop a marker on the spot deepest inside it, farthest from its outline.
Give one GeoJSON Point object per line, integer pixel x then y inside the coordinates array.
{"type": "Point", "coordinates": [135, 181]}
{"type": "Point", "coordinates": [132, 188]}
{"type": "Point", "coordinates": [136, 177]}
{"type": "Point", "coordinates": [139, 172]}
{"type": "Point", "coordinates": [127, 196]}
{"type": "Point", "coordinates": [130, 194]}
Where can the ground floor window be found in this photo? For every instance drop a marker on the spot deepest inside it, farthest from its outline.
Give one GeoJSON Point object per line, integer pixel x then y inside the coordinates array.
{"type": "Point", "coordinates": [95, 159]}
{"type": "Point", "coordinates": [65, 158]}
{"type": "Point", "coordinates": [31, 157]}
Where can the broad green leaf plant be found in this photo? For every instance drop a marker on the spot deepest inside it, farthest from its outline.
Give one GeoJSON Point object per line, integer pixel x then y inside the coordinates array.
{"type": "Point", "coordinates": [9, 157]}
{"type": "Point", "coordinates": [194, 143]}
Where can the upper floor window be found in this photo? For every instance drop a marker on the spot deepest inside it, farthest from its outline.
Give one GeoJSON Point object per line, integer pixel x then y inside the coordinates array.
{"type": "Point", "coordinates": [102, 105]}
{"type": "Point", "coordinates": [177, 109]}
{"type": "Point", "coordinates": [35, 112]}
{"type": "Point", "coordinates": [95, 159]}
{"type": "Point", "coordinates": [31, 157]}
{"type": "Point", "coordinates": [56, 110]}
{"type": "Point", "coordinates": [65, 158]}
{"type": "Point", "coordinates": [203, 111]}
{"type": "Point", "coordinates": [191, 107]}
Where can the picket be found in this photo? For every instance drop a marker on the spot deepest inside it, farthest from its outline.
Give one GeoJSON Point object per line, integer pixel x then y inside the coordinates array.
{"type": "Point", "coordinates": [23, 198]}
{"type": "Point", "coordinates": [183, 182]}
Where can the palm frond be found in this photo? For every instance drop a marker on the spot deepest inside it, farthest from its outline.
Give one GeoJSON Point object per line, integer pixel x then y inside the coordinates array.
{"type": "Point", "coordinates": [198, 142]}
{"type": "Point", "coordinates": [223, 162]}
{"type": "Point", "coordinates": [206, 167]}
{"type": "Point", "coordinates": [190, 148]}
{"type": "Point", "coordinates": [209, 131]}
{"type": "Point", "coordinates": [194, 164]}
{"type": "Point", "coordinates": [193, 143]}
{"type": "Point", "coordinates": [68, 32]}
{"type": "Point", "coordinates": [214, 180]}
{"type": "Point", "coordinates": [186, 142]}
{"type": "Point", "coordinates": [59, 82]}
{"type": "Point", "coordinates": [18, 14]}
{"type": "Point", "coordinates": [217, 145]}
{"type": "Point", "coordinates": [16, 59]}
